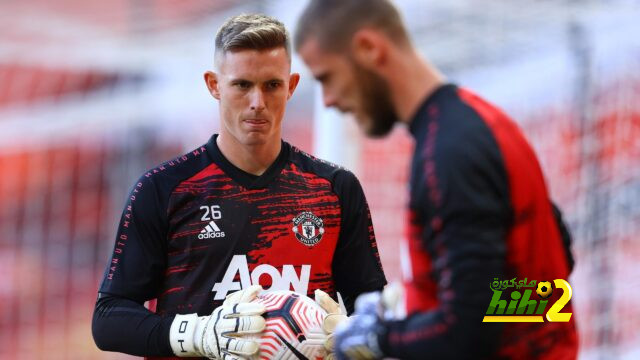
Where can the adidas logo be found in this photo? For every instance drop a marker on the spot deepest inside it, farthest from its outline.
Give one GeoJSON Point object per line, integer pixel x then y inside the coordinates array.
{"type": "Point", "coordinates": [211, 231]}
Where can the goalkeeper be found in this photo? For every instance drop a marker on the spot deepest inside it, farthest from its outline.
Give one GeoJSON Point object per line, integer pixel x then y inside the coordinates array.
{"type": "Point", "coordinates": [479, 207]}
{"type": "Point", "coordinates": [243, 210]}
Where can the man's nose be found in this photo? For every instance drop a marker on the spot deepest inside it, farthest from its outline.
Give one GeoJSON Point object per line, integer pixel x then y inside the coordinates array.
{"type": "Point", "coordinates": [328, 98]}
{"type": "Point", "coordinates": [257, 100]}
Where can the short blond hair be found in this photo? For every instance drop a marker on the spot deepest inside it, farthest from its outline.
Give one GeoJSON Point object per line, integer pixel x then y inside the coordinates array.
{"type": "Point", "coordinates": [253, 32]}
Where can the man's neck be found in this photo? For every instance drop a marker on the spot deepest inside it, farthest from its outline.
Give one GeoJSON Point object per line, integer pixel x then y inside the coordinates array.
{"type": "Point", "coordinates": [413, 80]}
{"type": "Point", "coordinates": [252, 159]}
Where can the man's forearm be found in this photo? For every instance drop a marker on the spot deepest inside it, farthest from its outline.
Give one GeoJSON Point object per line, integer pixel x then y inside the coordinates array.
{"type": "Point", "coordinates": [126, 326]}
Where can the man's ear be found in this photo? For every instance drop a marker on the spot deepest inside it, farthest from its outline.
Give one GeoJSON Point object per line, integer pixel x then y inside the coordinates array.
{"type": "Point", "coordinates": [211, 79]}
{"type": "Point", "coordinates": [294, 78]}
{"type": "Point", "coordinates": [369, 48]}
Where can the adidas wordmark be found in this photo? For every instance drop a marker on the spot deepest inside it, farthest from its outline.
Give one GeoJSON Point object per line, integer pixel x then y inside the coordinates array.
{"type": "Point", "coordinates": [211, 231]}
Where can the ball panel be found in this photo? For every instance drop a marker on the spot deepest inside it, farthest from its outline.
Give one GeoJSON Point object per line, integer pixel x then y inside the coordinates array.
{"type": "Point", "coordinates": [293, 327]}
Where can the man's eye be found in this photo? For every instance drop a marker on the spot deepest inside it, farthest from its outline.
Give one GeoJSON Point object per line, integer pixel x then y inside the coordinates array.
{"type": "Point", "coordinates": [243, 84]}
{"type": "Point", "coordinates": [274, 85]}
{"type": "Point", "coordinates": [323, 79]}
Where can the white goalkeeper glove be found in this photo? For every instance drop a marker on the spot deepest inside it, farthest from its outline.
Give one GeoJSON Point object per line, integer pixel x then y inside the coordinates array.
{"type": "Point", "coordinates": [336, 314]}
{"type": "Point", "coordinates": [220, 335]}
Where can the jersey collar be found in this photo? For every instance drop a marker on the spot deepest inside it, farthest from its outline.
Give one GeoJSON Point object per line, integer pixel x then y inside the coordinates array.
{"type": "Point", "coordinates": [422, 116]}
{"type": "Point", "coordinates": [243, 178]}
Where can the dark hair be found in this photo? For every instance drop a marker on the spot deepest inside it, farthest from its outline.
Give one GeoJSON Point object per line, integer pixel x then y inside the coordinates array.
{"type": "Point", "coordinates": [252, 31]}
{"type": "Point", "coordinates": [333, 22]}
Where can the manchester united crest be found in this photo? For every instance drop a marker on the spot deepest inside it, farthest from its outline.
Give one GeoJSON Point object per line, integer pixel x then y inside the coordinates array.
{"type": "Point", "coordinates": [308, 228]}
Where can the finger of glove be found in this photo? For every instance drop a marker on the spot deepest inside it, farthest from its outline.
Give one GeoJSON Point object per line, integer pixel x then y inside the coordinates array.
{"type": "Point", "coordinates": [242, 348]}
{"type": "Point", "coordinates": [392, 295]}
{"type": "Point", "coordinates": [330, 356]}
{"type": "Point", "coordinates": [326, 302]}
{"type": "Point", "coordinates": [243, 309]}
{"type": "Point", "coordinates": [329, 343]}
{"type": "Point", "coordinates": [360, 353]}
{"type": "Point", "coordinates": [331, 321]}
{"type": "Point", "coordinates": [241, 325]}
{"type": "Point", "coordinates": [243, 296]}
{"type": "Point", "coordinates": [344, 326]}
{"type": "Point", "coordinates": [228, 356]}
{"type": "Point", "coordinates": [368, 303]}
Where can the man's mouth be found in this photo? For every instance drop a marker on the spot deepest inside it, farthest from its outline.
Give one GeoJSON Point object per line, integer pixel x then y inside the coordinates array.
{"type": "Point", "coordinates": [256, 124]}
{"type": "Point", "coordinates": [255, 121]}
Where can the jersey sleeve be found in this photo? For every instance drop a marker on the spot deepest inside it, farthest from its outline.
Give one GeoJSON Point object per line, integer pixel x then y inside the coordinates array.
{"type": "Point", "coordinates": [356, 261]}
{"type": "Point", "coordinates": [462, 201]}
{"type": "Point", "coordinates": [138, 260]}
{"type": "Point", "coordinates": [123, 325]}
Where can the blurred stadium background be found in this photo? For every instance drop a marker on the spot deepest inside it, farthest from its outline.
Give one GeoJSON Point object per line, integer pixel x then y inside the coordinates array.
{"type": "Point", "coordinates": [94, 93]}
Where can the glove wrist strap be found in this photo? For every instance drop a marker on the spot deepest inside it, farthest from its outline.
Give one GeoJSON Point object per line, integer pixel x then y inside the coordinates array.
{"type": "Point", "coordinates": [183, 333]}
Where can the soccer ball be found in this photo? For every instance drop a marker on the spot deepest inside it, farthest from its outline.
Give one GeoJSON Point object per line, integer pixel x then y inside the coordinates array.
{"type": "Point", "coordinates": [293, 327]}
{"type": "Point", "coordinates": [544, 289]}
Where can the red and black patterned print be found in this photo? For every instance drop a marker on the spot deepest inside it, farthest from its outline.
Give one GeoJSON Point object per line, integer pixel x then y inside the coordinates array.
{"type": "Point", "coordinates": [256, 222]}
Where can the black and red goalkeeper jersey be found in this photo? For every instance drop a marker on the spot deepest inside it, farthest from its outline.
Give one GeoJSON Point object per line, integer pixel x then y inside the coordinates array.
{"type": "Point", "coordinates": [197, 228]}
{"type": "Point", "coordinates": [479, 210]}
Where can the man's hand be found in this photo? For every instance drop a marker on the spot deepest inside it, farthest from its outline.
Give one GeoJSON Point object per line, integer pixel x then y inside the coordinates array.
{"type": "Point", "coordinates": [358, 337]}
{"type": "Point", "coordinates": [220, 335]}
{"type": "Point", "coordinates": [336, 315]}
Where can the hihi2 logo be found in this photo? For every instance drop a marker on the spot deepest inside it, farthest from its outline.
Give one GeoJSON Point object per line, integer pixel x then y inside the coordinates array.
{"type": "Point", "coordinates": [521, 307]}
